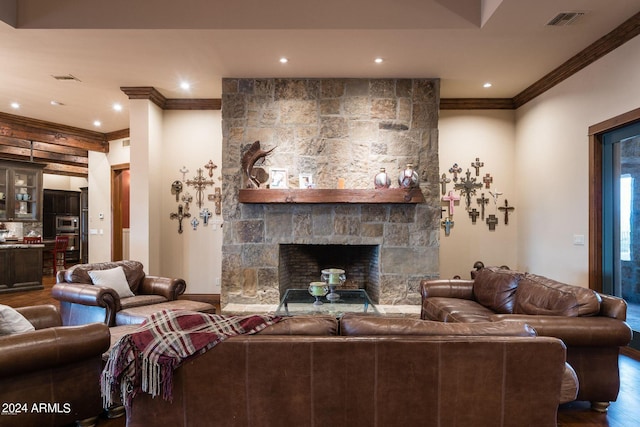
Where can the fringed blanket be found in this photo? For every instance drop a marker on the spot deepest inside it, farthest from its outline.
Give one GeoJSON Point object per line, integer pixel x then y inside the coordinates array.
{"type": "Point", "coordinates": [145, 359]}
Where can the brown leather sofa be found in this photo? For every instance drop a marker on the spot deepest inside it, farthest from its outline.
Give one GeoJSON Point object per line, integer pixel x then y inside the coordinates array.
{"type": "Point", "coordinates": [81, 302]}
{"type": "Point", "coordinates": [299, 372]}
{"type": "Point", "coordinates": [591, 325]}
{"type": "Point", "coordinates": [51, 376]}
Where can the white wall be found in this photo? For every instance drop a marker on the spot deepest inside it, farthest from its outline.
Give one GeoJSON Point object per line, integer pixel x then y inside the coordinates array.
{"type": "Point", "coordinates": [489, 135]}
{"type": "Point", "coordinates": [99, 183]}
{"type": "Point", "coordinates": [552, 161]}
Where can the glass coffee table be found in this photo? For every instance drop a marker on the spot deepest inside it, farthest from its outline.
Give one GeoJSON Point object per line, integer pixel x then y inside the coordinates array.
{"type": "Point", "coordinates": [299, 301]}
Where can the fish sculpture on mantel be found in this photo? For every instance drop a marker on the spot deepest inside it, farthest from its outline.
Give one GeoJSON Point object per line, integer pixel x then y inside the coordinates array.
{"type": "Point", "coordinates": [249, 159]}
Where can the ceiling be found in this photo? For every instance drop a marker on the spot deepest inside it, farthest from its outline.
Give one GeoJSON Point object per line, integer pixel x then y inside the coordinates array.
{"type": "Point", "coordinates": [107, 45]}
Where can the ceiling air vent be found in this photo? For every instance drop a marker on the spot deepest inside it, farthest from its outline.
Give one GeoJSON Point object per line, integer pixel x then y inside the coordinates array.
{"type": "Point", "coordinates": [565, 18]}
{"type": "Point", "coordinates": [66, 77]}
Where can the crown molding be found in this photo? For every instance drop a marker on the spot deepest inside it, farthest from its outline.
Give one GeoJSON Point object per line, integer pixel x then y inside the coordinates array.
{"type": "Point", "coordinates": [153, 95]}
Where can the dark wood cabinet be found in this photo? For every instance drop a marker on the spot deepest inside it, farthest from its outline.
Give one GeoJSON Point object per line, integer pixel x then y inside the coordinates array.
{"type": "Point", "coordinates": [20, 191]}
{"type": "Point", "coordinates": [62, 202]}
{"type": "Point", "coordinates": [22, 269]}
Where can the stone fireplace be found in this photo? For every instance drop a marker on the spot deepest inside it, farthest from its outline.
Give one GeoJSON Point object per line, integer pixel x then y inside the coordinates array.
{"type": "Point", "coordinates": [331, 128]}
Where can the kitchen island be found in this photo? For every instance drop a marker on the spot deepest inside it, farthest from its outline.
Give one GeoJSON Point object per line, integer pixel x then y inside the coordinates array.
{"type": "Point", "coordinates": [21, 266]}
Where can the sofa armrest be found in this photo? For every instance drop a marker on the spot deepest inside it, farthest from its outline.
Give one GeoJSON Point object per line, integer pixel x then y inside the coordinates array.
{"type": "Point", "coordinates": [80, 293]}
{"type": "Point", "coordinates": [41, 316]}
{"type": "Point", "coordinates": [613, 307]}
{"type": "Point", "coordinates": [448, 288]}
{"type": "Point", "coordinates": [45, 348]}
{"type": "Point", "coordinates": [169, 288]}
{"type": "Point", "coordinates": [596, 331]}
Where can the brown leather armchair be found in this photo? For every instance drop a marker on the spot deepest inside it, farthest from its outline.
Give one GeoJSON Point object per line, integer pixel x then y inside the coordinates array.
{"type": "Point", "coordinates": [51, 376]}
{"type": "Point", "coordinates": [81, 302]}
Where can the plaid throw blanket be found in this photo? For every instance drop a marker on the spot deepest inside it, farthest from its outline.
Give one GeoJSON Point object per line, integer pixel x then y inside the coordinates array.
{"type": "Point", "coordinates": [145, 359]}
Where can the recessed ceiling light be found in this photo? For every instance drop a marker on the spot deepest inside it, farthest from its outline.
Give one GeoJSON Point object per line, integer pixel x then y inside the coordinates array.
{"type": "Point", "coordinates": [378, 60]}
{"type": "Point", "coordinates": [55, 103]}
{"type": "Point", "coordinates": [487, 85]}
{"type": "Point", "coordinates": [283, 60]}
{"type": "Point", "coordinates": [15, 105]}
{"type": "Point", "coordinates": [117, 107]}
{"type": "Point", "coordinates": [97, 123]}
{"type": "Point", "coordinates": [185, 85]}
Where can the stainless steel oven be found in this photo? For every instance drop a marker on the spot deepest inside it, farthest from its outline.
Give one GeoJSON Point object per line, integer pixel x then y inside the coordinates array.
{"type": "Point", "coordinates": [67, 224]}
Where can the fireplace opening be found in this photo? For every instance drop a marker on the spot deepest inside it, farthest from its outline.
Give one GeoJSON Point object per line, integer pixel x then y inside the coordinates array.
{"type": "Point", "coordinates": [300, 265]}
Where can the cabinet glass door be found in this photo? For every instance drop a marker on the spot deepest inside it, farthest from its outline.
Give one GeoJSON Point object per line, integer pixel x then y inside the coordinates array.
{"type": "Point", "coordinates": [3, 193]}
{"type": "Point", "coordinates": [26, 194]}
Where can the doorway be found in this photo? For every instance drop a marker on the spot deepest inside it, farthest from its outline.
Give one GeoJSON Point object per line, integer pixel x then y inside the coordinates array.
{"type": "Point", "coordinates": [619, 233]}
{"type": "Point", "coordinates": [120, 190]}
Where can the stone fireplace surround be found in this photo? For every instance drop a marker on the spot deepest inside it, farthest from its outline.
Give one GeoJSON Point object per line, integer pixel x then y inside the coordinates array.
{"type": "Point", "coordinates": [332, 128]}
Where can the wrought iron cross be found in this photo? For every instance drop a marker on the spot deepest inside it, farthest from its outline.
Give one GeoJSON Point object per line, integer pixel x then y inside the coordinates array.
{"type": "Point", "coordinates": [507, 210]}
{"type": "Point", "coordinates": [473, 213]}
{"type": "Point", "coordinates": [477, 165]}
{"type": "Point", "coordinates": [199, 183]}
{"type": "Point", "coordinates": [211, 167]}
{"type": "Point", "coordinates": [184, 171]}
{"type": "Point", "coordinates": [451, 198]}
{"type": "Point", "coordinates": [443, 183]}
{"type": "Point", "coordinates": [455, 170]}
{"type": "Point", "coordinates": [488, 179]}
{"type": "Point", "coordinates": [467, 187]}
{"type": "Point", "coordinates": [180, 215]}
{"type": "Point", "coordinates": [447, 223]}
{"type": "Point", "coordinates": [482, 201]}
{"type": "Point", "coordinates": [187, 199]}
{"type": "Point", "coordinates": [492, 221]}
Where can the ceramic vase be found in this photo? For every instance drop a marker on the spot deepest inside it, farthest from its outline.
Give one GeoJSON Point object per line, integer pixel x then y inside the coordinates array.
{"type": "Point", "coordinates": [408, 178]}
{"type": "Point", "coordinates": [382, 179]}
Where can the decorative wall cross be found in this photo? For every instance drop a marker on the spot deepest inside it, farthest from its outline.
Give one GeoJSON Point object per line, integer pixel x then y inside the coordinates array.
{"type": "Point", "coordinates": [467, 187]}
{"type": "Point", "coordinates": [488, 179]}
{"type": "Point", "coordinates": [447, 224]}
{"type": "Point", "coordinates": [184, 171]}
{"type": "Point", "coordinates": [443, 183]}
{"type": "Point", "coordinates": [492, 221]}
{"type": "Point", "coordinates": [199, 183]}
{"type": "Point", "coordinates": [451, 198]}
{"type": "Point", "coordinates": [473, 213]}
{"type": "Point", "coordinates": [194, 223]}
{"type": "Point", "coordinates": [180, 215]}
{"type": "Point", "coordinates": [205, 214]}
{"type": "Point", "coordinates": [482, 201]}
{"type": "Point", "coordinates": [211, 167]}
{"type": "Point", "coordinates": [176, 188]}
{"type": "Point", "coordinates": [507, 210]}
{"type": "Point", "coordinates": [495, 194]}
{"type": "Point", "coordinates": [187, 199]}
{"type": "Point", "coordinates": [455, 170]}
{"type": "Point", "coordinates": [477, 165]}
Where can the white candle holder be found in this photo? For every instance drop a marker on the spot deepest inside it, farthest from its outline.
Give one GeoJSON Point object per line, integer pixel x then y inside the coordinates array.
{"type": "Point", "coordinates": [333, 277]}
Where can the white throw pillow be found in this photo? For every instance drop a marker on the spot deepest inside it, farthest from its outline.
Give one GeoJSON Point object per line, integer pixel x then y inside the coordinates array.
{"type": "Point", "coordinates": [12, 322]}
{"type": "Point", "coordinates": [113, 278]}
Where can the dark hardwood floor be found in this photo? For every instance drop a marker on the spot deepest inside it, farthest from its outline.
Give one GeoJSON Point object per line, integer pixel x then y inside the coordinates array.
{"type": "Point", "coordinates": [622, 413]}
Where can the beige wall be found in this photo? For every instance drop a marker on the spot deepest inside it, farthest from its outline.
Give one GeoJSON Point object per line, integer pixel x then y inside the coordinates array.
{"type": "Point", "coordinates": [62, 182]}
{"type": "Point", "coordinates": [489, 135]}
{"type": "Point", "coordinates": [552, 160]}
{"type": "Point", "coordinates": [172, 139]}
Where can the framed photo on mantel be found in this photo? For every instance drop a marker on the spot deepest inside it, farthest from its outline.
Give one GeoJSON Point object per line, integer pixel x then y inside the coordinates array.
{"type": "Point", "coordinates": [306, 180]}
{"type": "Point", "coordinates": [278, 178]}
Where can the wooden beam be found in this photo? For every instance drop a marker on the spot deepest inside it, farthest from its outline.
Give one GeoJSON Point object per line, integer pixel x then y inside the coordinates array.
{"type": "Point", "coordinates": [43, 146]}
{"type": "Point", "coordinates": [37, 130]}
{"type": "Point", "coordinates": [118, 134]}
{"type": "Point", "coordinates": [60, 169]}
{"type": "Point", "coordinates": [27, 154]}
{"type": "Point", "coordinates": [476, 104]}
{"type": "Point", "coordinates": [153, 95]}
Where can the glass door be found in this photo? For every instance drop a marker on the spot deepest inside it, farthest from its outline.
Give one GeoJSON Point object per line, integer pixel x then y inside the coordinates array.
{"type": "Point", "coordinates": [3, 193]}
{"type": "Point", "coordinates": [621, 220]}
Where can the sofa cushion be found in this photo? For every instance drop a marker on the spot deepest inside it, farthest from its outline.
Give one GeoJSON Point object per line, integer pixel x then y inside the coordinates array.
{"type": "Point", "coordinates": [446, 309]}
{"type": "Point", "coordinates": [133, 270]}
{"type": "Point", "coordinates": [113, 278]}
{"type": "Point", "coordinates": [354, 325]}
{"type": "Point", "coordinates": [141, 300]}
{"type": "Point", "coordinates": [542, 296]}
{"type": "Point", "coordinates": [12, 322]}
{"type": "Point", "coordinates": [303, 325]}
{"type": "Point", "coordinates": [495, 288]}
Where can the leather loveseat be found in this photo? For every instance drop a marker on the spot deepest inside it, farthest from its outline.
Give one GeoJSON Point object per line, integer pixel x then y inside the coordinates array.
{"type": "Point", "coordinates": [51, 376]}
{"type": "Point", "coordinates": [380, 371]}
{"type": "Point", "coordinates": [81, 302]}
{"type": "Point", "coordinates": [591, 325]}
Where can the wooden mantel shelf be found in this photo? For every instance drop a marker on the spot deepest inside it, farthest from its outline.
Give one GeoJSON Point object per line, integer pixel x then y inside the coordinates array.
{"type": "Point", "coordinates": [390, 195]}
